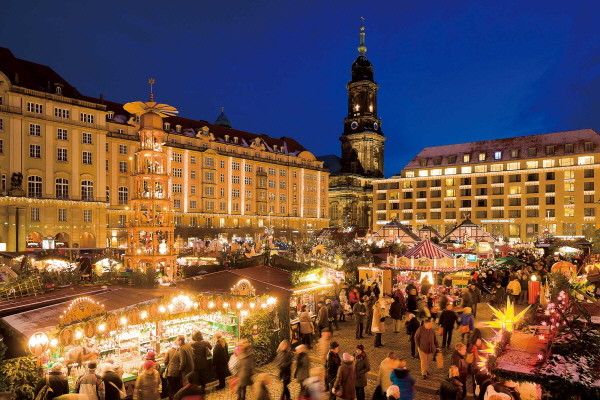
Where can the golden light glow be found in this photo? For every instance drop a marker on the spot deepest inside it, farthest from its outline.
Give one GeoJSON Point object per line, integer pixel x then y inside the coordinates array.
{"type": "Point", "coordinates": [144, 314]}
{"type": "Point", "coordinates": [78, 334]}
{"type": "Point", "coordinates": [507, 319]}
{"type": "Point", "coordinates": [123, 321]}
{"type": "Point", "coordinates": [102, 327]}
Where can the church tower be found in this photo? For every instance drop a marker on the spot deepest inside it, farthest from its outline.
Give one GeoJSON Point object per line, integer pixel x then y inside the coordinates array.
{"type": "Point", "coordinates": [362, 140]}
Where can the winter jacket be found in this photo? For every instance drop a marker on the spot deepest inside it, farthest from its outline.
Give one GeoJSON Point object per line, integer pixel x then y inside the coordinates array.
{"type": "Point", "coordinates": [346, 381]}
{"type": "Point", "coordinates": [147, 385]}
{"type": "Point", "coordinates": [443, 303]}
{"type": "Point", "coordinates": [173, 362]}
{"type": "Point", "coordinates": [467, 300]}
{"type": "Point", "coordinates": [306, 325]}
{"type": "Point", "coordinates": [283, 361]}
{"type": "Point", "coordinates": [447, 319]}
{"type": "Point", "coordinates": [426, 340]}
{"type": "Point", "coordinates": [412, 326]}
{"type": "Point", "coordinates": [514, 287]}
{"type": "Point", "coordinates": [112, 379]}
{"type": "Point", "coordinates": [369, 306]}
{"type": "Point", "coordinates": [411, 303]}
{"type": "Point", "coordinates": [377, 325]}
{"type": "Point", "coordinates": [332, 364]}
{"type": "Point", "coordinates": [475, 295]}
{"type": "Point", "coordinates": [194, 358]}
{"type": "Point", "coordinates": [302, 367]}
{"type": "Point", "coordinates": [362, 366]}
{"type": "Point", "coordinates": [451, 389]}
{"type": "Point", "coordinates": [385, 369]}
{"type": "Point", "coordinates": [357, 310]}
{"type": "Point", "coordinates": [467, 320]}
{"type": "Point", "coordinates": [461, 362]}
{"type": "Point", "coordinates": [352, 297]}
{"type": "Point", "coordinates": [91, 385]}
{"type": "Point", "coordinates": [323, 317]}
{"type": "Point", "coordinates": [245, 367]}
{"type": "Point", "coordinates": [221, 358]}
{"type": "Point", "coordinates": [396, 309]}
{"type": "Point", "coordinates": [401, 378]}
{"type": "Point", "coordinates": [58, 383]}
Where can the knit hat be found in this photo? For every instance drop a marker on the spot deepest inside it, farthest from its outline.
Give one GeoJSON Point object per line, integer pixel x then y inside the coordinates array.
{"type": "Point", "coordinates": [360, 347]}
{"type": "Point", "coordinates": [334, 345]}
{"type": "Point", "coordinates": [147, 365]}
{"type": "Point", "coordinates": [151, 356]}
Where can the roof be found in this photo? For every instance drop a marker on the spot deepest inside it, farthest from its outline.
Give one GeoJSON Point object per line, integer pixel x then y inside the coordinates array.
{"type": "Point", "coordinates": [467, 229]}
{"type": "Point", "coordinates": [428, 249]}
{"type": "Point", "coordinates": [400, 231]}
{"type": "Point", "coordinates": [423, 232]}
{"type": "Point", "coordinates": [505, 146]}
{"type": "Point", "coordinates": [222, 119]}
{"type": "Point", "coordinates": [42, 78]}
{"type": "Point", "coordinates": [332, 162]}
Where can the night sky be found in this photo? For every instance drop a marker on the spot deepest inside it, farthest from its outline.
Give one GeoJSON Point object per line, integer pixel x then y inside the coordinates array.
{"type": "Point", "coordinates": [449, 71]}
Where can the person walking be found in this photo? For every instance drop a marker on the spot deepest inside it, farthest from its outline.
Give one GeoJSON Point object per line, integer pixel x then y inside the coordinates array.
{"type": "Point", "coordinates": [147, 384]}
{"type": "Point", "coordinates": [406, 383]}
{"type": "Point", "coordinates": [332, 364]}
{"type": "Point", "coordinates": [344, 386]}
{"type": "Point", "coordinates": [458, 359]}
{"type": "Point", "coordinates": [475, 297]}
{"type": "Point", "coordinates": [412, 324]}
{"type": "Point", "coordinates": [447, 320]}
{"type": "Point", "coordinates": [283, 361]}
{"type": "Point", "coordinates": [362, 367]}
{"type": "Point", "coordinates": [113, 384]}
{"type": "Point", "coordinates": [194, 358]}
{"type": "Point", "coordinates": [466, 298]}
{"type": "Point", "coordinates": [331, 317]}
{"type": "Point", "coordinates": [90, 384]}
{"type": "Point", "coordinates": [173, 366]}
{"type": "Point", "coordinates": [260, 390]}
{"type": "Point", "coordinates": [467, 324]}
{"type": "Point", "coordinates": [57, 382]}
{"type": "Point", "coordinates": [315, 384]}
{"type": "Point", "coordinates": [396, 314]}
{"type": "Point", "coordinates": [343, 299]}
{"type": "Point", "coordinates": [302, 368]}
{"type": "Point", "coordinates": [378, 323]}
{"type": "Point", "coordinates": [386, 367]}
{"type": "Point", "coordinates": [359, 311]}
{"type": "Point", "coordinates": [411, 301]}
{"type": "Point", "coordinates": [369, 302]}
{"type": "Point", "coordinates": [307, 328]}
{"type": "Point", "coordinates": [322, 318]}
{"type": "Point", "coordinates": [353, 298]}
{"type": "Point", "coordinates": [451, 388]}
{"type": "Point", "coordinates": [427, 344]}
{"type": "Point", "coordinates": [220, 360]}
{"type": "Point", "coordinates": [245, 368]}
{"type": "Point", "coordinates": [192, 390]}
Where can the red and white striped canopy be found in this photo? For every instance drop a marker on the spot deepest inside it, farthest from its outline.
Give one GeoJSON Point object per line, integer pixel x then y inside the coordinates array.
{"type": "Point", "coordinates": [428, 249]}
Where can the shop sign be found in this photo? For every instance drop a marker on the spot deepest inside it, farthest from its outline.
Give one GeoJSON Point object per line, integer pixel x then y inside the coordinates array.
{"type": "Point", "coordinates": [308, 278]}
{"type": "Point", "coordinates": [472, 257]}
{"type": "Point", "coordinates": [33, 245]}
{"type": "Point", "coordinates": [243, 288]}
{"type": "Point", "coordinates": [80, 309]}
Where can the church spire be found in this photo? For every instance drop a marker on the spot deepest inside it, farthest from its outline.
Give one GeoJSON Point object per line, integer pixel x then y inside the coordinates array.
{"type": "Point", "coordinates": [362, 48]}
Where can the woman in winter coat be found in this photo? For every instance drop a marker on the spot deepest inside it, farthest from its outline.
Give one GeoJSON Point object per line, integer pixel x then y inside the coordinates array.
{"type": "Point", "coordinates": [451, 388]}
{"type": "Point", "coordinates": [220, 360]}
{"type": "Point", "coordinates": [260, 390]}
{"type": "Point", "coordinates": [345, 382]}
{"type": "Point", "coordinates": [467, 324]}
{"type": "Point", "coordinates": [406, 383]}
{"type": "Point", "coordinates": [306, 327]}
{"type": "Point", "coordinates": [302, 366]}
{"type": "Point", "coordinates": [362, 367]}
{"type": "Point", "coordinates": [283, 361]}
{"type": "Point", "coordinates": [412, 324]}
{"type": "Point", "coordinates": [56, 380]}
{"type": "Point", "coordinates": [147, 385]}
{"type": "Point", "coordinates": [378, 323]}
{"type": "Point", "coordinates": [172, 366]}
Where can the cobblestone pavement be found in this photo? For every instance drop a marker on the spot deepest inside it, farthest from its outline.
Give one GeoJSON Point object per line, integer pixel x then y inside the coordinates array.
{"type": "Point", "coordinates": [398, 342]}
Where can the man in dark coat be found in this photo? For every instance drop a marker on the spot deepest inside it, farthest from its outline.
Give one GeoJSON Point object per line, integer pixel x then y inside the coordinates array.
{"type": "Point", "coordinates": [396, 313]}
{"type": "Point", "coordinates": [322, 317]}
{"type": "Point", "coordinates": [476, 298]}
{"type": "Point", "coordinates": [172, 366]}
{"type": "Point", "coordinates": [56, 380]}
{"type": "Point", "coordinates": [113, 384]}
{"type": "Point", "coordinates": [447, 320]}
{"type": "Point", "coordinates": [359, 310]}
{"type": "Point", "coordinates": [194, 358]}
{"type": "Point", "coordinates": [412, 324]}
{"type": "Point", "coordinates": [332, 364]}
{"type": "Point", "coordinates": [220, 360]}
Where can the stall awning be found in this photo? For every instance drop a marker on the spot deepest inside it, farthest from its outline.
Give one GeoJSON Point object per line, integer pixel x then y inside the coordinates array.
{"type": "Point", "coordinates": [428, 249]}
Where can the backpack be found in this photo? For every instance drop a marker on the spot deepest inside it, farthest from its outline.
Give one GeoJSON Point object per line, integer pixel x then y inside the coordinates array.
{"type": "Point", "coordinates": [46, 392]}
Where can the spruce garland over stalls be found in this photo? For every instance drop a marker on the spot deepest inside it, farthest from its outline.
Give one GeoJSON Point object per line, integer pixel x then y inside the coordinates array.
{"type": "Point", "coordinates": [18, 375]}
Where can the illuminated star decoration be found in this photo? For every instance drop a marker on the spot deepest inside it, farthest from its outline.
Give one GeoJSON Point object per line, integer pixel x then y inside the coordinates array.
{"type": "Point", "coordinates": [507, 319]}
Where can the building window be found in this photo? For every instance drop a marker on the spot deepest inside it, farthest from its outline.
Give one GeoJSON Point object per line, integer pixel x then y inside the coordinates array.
{"type": "Point", "coordinates": [209, 191]}
{"type": "Point", "coordinates": [193, 220]}
{"type": "Point", "coordinates": [61, 134]}
{"type": "Point", "coordinates": [177, 172]}
{"type": "Point", "coordinates": [87, 190]}
{"type": "Point", "coordinates": [550, 188]}
{"type": "Point", "coordinates": [177, 220]}
{"type": "Point", "coordinates": [209, 176]}
{"type": "Point", "coordinates": [569, 148]}
{"type": "Point", "coordinates": [550, 200]}
{"type": "Point", "coordinates": [588, 173]}
{"type": "Point", "coordinates": [34, 213]}
{"type": "Point", "coordinates": [1, 146]}
{"type": "Point", "coordinates": [589, 212]}
{"type": "Point", "coordinates": [1, 124]}
{"type": "Point", "coordinates": [35, 151]}
{"type": "Point", "coordinates": [86, 138]}
{"type": "Point", "coordinates": [588, 146]}
{"type": "Point", "coordinates": [235, 193]}
{"type": "Point", "coordinates": [482, 156]}
{"type": "Point", "coordinates": [550, 150]}
{"type": "Point", "coordinates": [85, 117]}
{"type": "Point", "coordinates": [193, 174]}
{"type": "Point", "coordinates": [87, 215]}
{"type": "Point", "coordinates": [437, 160]}
{"type": "Point", "coordinates": [569, 212]}
{"type": "Point", "coordinates": [35, 108]}
{"type": "Point", "coordinates": [62, 215]}
{"type": "Point", "coordinates": [423, 162]}
{"type": "Point", "coordinates": [466, 157]}
{"type": "Point", "coordinates": [123, 166]}
{"type": "Point", "coordinates": [107, 193]}
{"type": "Point", "coordinates": [62, 188]}
{"type": "Point", "coordinates": [585, 160]}
{"type": "Point", "coordinates": [569, 174]}
{"type": "Point", "coordinates": [123, 194]}
{"type": "Point", "coordinates": [176, 187]}
{"type": "Point", "coordinates": [193, 204]}
{"type": "Point", "coordinates": [569, 187]}
{"type": "Point", "coordinates": [248, 167]}
{"type": "Point", "coordinates": [122, 149]}
{"type": "Point", "coordinates": [176, 157]}
{"type": "Point", "coordinates": [532, 152]}
{"type": "Point", "coordinates": [35, 130]}
{"type": "Point", "coordinates": [588, 199]}
{"type": "Point", "coordinates": [61, 154]}
{"type": "Point", "coordinates": [86, 157]}
{"type": "Point", "coordinates": [193, 189]}
{"type": "Point", "coordinates": [62, 113]}
{"type": "Point", "coordinates": [235, 166]}
{"type": "Point", "coordinates": [550, 176]}
{"type": "Point", "coordinates": [588, 185]}
{"type": "Point", "coordinates": [235, 179]}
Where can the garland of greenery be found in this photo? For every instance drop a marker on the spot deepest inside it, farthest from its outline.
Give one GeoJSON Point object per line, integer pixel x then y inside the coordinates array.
{"type": "Point", "coordinates": [19, 375]}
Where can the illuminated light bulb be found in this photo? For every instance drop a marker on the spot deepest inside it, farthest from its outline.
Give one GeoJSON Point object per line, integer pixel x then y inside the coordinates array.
{"type": "Point", "coordinates": [162, 309]}
{"type": "Point", "coordinates": [102, 327]}
{"type": "Point", "coordinates": [123, 321]}
{"type": "Point", "coordinates": [53, 342]}
{"type": "Point", "coordinates": [144, 315]}
{"type": "Point", "coordinates": [252, 305]}
{"type": "Point", "coordinates": [541, 337]}
{"type": "Point", "coordinates": [263, 305]}
{"type": "Point", "coordinates": [225, 305]}
{"type": "Point", "coordinates": [533, 278]}
{"type": "Point", "coordinates": [271, 300]}
{"type": "Point", "coordinates": [540, 357]}
{"type": "Point", "coordinates": [78, 334]}
{"type": "Point", "coordinates": [211, 305]}
{"type": "Point", "coordinates": [244, 313]}
{"type": "Point", "coordinates": [170, 307]}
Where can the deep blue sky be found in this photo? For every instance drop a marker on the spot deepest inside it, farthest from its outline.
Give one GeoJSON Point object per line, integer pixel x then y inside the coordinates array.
{"type": "Point", "coordinates": [449, 71]}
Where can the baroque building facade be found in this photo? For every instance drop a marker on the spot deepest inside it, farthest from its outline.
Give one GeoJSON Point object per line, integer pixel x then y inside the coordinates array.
{"type": "Point", "coordinates": [521, 188]}
{"type": "Point", "coordinates": [350, 187]}
{"type": "Point", "coordinates": [67, 163]}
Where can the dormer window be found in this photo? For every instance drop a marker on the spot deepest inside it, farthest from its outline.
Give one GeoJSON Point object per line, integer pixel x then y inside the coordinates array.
{"type": "Point", "coordinates": [437, 160]}
{"type": "Point", "coordinates": [167, 126]}
{"type": "Point", "coordinates": [423, 162]}
{"type": "Point", "coordinates": [58, 90]}
{"type": "Point", "coordinates": [481, 156]}
{"type": "Point", "coordinates": [451, 159]}
{"type": "Point", "coordinates": [227, 138]}
{"type": "Point", "coordinates": [569, 148]}
{"type": "Point", "coordinates": [497, 155]}
{"type": "Point", "coordinates": [274, 147]}
{"type": "Point", "coordinates": [235, 139]}
{"type": "Point", "coordinates": [532, 152]}
{"type": "Point", "coordinates": [514, 153]}
{"type": "Point", "coordinates": [110, 115]}
{"type": "Point", "coordinates": [178, 128]}
{"type": "Point", "coordinates": [466, 157]}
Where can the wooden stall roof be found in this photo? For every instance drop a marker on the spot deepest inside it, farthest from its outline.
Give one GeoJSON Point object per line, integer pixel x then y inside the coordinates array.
{"type": "Point", "coordinates": [46, 318]}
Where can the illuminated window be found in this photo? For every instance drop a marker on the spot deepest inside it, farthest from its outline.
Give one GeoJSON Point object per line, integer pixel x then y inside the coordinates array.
{"type": "Point", "coordinates": [569, 174]}
{"type": "Point", "coordinates": [465, 170]}
{"type": "Point", "coordinates": [482, 156]}
{"type": "Point", "coordinates": [480, 168]}
{"type": "Point", "coordinates": [450, 182]}
{"type": "Point", "coordinates": [423, 172]}
{"type": "Point", "coordinates": [450, 171]}
{"type": "Point", "coordinates": [436, 172]}
{"type": "Point", "coordinates": [466, 157]}
{"type": "Point", "coordinates": [513, 166]}
{"type": "Point", "coordinates": [569, 200]}
{"type": "Point", "coordinates": [569, 187]}
{"type": "Point", "coordinates": [569, 212]}
{"type": "Point", "coordinates": [548, 163]}
{"type": "Point", "coordinates": [450, 192]}
{"type": "Point", "coordinates": [531, 164]}
{"type": "Point", "coordinates": [514, 153]}
{"type": "Point", "coordinates": [410, 174]}
{"type": "Point", "coordinates": [565, 162]}
{"type": "Point", "coordinates": [496, 167]}
{"type": "Point", "coordinates": [585, 160]}
{"type": "Point", "coordinates": [514, 190]}
{"type": "Point", "coordinates": [497, 155]}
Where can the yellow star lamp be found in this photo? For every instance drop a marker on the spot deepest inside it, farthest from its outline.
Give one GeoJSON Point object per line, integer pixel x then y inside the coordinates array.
{"type": "Point", "coordinates": [505, 320]}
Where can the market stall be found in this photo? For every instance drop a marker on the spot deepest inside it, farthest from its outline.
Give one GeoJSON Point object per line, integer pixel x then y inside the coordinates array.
{"type": "Point", "coordinates": [395, 232]}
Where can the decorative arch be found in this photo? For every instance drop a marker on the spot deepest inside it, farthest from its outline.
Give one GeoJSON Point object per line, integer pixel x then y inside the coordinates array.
{"type": "Point", "coordinates": [87, 240]}
{"type": "Point", "coordinates": [63, 237]}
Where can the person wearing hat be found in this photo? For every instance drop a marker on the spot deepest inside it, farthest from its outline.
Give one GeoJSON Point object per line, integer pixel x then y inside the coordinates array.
{"type": "Point", "coordinates": [362, 367]}
{"type": "Point", "coordinates": [172, 363]}
{"type": "Point", "coordinates": [147, 384]}
{"type": "Point", "coordinates": [151, 356]}
{"type": "Point", "coordinates": [194, 358]}
{"type": "Point", "coordinates": [412, 324]}
{"type": "Point", "coordinates": [359, 310]}
{"type": "Point", "coordinates": [90, 383]}
{"type": "Point", "coordinates": [369, 304]}
{"type": "Point", "coordinates": [322, 317]}
{"type": "Point", "coordinates": [427, 344]}
{"type": "Point", "coordinates": [332, 364]}
{"type": "Point", "coordinates": [344, 386]}
{"type": "Point", "coordinates": [56, 381]}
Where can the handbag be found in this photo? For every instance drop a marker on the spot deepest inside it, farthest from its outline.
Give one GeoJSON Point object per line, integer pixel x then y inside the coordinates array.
{"type": "Point", "coordinates": [465, 328]}
{"type": "Point", "coordinates": [122, 393]}
{"type": "Point", "coordinates": [338, 392]}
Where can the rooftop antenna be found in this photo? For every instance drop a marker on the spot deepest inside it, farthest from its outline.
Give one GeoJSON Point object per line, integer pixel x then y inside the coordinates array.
{"type": "Point", "coordinates": [151, 82]}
